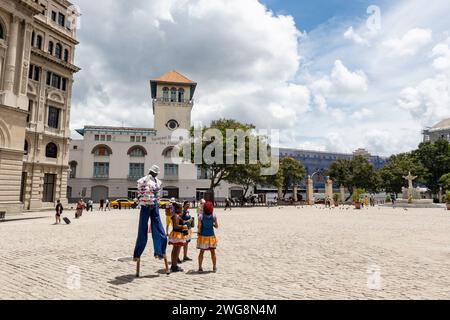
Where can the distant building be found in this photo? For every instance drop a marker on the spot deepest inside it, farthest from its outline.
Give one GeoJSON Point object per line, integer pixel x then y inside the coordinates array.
{"type": "Point", "coordinates": [441, 130]}
{"type": "Point", "coordinates": [108, 161]}
{"type": "Point", "coordinates": [318, 162]}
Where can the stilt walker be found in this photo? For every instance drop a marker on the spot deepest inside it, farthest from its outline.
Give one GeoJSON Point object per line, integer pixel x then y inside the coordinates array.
{"type": "Point", "coordinates": [149, 189]}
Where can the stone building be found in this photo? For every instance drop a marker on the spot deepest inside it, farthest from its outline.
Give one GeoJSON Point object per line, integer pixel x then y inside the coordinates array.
{"type": "Point", "coordinates": [108, 161]}
{"type": "Point", "coordinates": [440, 130]}
{"type": "Point", "coordinates": [37, 45]}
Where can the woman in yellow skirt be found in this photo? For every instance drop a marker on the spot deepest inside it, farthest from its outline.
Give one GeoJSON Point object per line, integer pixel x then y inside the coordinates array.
{"type": "Point", "coordinates": [206, 240]}
{"type": "Point", "coordinates": [177, 237]}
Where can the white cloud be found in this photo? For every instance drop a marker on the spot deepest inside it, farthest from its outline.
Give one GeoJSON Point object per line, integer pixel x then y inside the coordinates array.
{"type": "Point", "coordinates": [441, 53]}
{"type": "Point", "coordinates": [364, 113]}
{"type": "Point", "coordinates": [355, 37]}
{"type": "Point", "coordinates": [346, 81]}
{"type": "Point", "coordinates": [410, 43]}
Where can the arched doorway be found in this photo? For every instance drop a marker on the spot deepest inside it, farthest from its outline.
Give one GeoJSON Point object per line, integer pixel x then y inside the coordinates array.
{"type": "Point", "coordinates": [99, 193]}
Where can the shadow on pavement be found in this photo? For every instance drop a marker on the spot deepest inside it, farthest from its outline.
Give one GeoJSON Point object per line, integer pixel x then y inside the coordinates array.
{"type": "Point", "coordinates": [121, 280]}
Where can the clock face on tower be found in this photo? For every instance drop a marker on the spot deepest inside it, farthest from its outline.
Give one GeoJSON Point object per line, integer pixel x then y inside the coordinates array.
{"type": "Point", "coordinates": [172, 124]}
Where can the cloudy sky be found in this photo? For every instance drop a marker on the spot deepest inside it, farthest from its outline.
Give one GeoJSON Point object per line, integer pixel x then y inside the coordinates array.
{"type": "Point", "coordinates": [329, 74]}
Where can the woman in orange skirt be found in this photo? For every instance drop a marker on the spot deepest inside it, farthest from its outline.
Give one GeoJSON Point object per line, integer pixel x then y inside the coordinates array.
{"type": "Point", "coordinates": [206, 240]}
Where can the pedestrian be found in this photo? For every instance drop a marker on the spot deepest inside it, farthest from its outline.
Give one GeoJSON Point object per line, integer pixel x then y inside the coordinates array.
{"type": "Point", "coordinates": [206, 240]}
{"type": "Point", "coordinates": [169, 213]}
{"type": "Point", "coordinates": [90, 205]}
{"type": "Point", "coordinates": [149, 190]}
{"type": "Point", "coordinates": [107, 205]}
{"type": "Point", "coordinates": [79, 209]}
{"type": "Point", "coordinates": [189, 222]}
{"type": "Point", "coordinates": [227, 204]}
{"type": "Point", "coordinates": [59, 210]}
{"type": "Point", "coordinates": [177, 237]}
{"type": "Point", "coordinates": [119, 203]}
{"type": "Point", "coordinates": [102, 203]}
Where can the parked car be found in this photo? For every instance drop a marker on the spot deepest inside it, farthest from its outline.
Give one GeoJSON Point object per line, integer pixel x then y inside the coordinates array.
{"type": "Point", "coordinates": [124, 204]}
{"type": "Point", "coordinates": [163, 202]}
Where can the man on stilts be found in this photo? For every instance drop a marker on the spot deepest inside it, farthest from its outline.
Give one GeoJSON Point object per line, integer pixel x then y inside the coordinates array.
{"type": "Point", "coordinates": [149, 189]}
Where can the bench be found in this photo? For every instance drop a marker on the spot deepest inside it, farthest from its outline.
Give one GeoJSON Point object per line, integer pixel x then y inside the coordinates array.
{"type": "Point", "coordinates": [2, 215]}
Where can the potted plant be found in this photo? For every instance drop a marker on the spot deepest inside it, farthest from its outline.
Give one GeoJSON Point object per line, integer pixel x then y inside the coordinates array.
{"type": "Point", "coordinates": [357, 198]}
{"type": "Point", "coordinates": [336, 198]}
{"type": "Point", "coordinates": [447, 199]}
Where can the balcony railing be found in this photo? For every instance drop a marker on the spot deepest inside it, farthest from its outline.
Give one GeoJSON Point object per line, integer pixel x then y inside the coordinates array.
{"type": "Point", "coordinates": [101, 176]}
{"type": "Point", "coordinates": [168, 101]}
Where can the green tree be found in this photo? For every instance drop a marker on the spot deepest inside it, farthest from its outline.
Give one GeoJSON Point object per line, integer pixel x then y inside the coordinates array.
{"type": "Point", "coordinates": [220, 169]}
{"type": "Point", "coordinates": [291, 173]}
{"type": "Point", "coordinates": [354, 173]}
{"type": "Point", "coordinates": [435, 157]}
{"type": "Point", "coordinates": [445, 182]}
{"type": "Point", "coordinates": [398, 166]}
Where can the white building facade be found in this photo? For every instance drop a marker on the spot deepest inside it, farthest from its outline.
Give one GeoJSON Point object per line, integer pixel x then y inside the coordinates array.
{"type": "Point", "coordinates": [108, 161]}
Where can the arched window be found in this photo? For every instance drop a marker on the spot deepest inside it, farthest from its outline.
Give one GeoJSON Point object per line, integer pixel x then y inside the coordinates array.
{"type": "Point", "coordinates": [25, 147]}
{"type": "Point", "coordinates": [50, 47]}
{"type": "Point", "coordinates": [137, 151]}
{"type": "Point", "coordinates": [66, 55]}
{"type": "Point", "coordinates": [39, 42]}
{"type": "Point", "coordinates": [2, 31]}
{"type": "Point", "coordinates": [58, 51]}
{"type": "Point", "coordinates": [181, 95]}
{"type": "Point", "coordinates": [102, 151]}
{"type": "Point", "coordinates": [51, 151]}
{"type": "Point", "coordinates": [33, 36]}
{"type": "Point", "coordinates": [173, 95]}
{"type": "Point", "coordinates": [73, 169]}
{"type": "Point", "coordinates": [166, 94]}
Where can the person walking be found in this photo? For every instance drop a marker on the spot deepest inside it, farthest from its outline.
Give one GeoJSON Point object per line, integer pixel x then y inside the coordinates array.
{"type": "Point", "coordinates": [107, 205]}
{"type": "Point", "coordinates": [149, 191]}
{"type": "Point", "coordinates": [227, 204]}
{"type": "Point", "coordinates": [59, 210]}
{"type": "Point", "coordinates": [79, 209]}
{"type": "Point", "coordinates": [102, 203]}
{"type": "Point", "coordinates": [90, 205]}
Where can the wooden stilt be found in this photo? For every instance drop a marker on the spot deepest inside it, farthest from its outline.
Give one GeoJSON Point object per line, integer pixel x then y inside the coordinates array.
{"type": "Point", "coordinates": [138, 267]}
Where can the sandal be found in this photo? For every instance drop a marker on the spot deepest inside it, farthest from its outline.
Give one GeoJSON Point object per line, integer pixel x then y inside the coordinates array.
{"type": "Point", "coordinates": [187, 259]}
{"type": "Point", "coordinates": [176, 269]}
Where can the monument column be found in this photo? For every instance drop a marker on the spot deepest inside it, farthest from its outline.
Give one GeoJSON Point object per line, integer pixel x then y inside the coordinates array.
{"type": "Point", "coordinates": [309, 191]}
{"type": "Point", "coordinates": [11, 55]}
{"type": "Point", "coordinates": [329, 188]}
{"type": "Point", "coordinates": [295, 194]}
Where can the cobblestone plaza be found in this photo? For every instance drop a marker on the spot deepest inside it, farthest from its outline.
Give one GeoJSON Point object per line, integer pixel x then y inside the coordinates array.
{"type": "Point", "coordinates": [276, 253]}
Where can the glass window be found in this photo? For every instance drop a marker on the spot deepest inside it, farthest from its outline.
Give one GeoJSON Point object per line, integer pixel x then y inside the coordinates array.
{"type": "Point", "coordinates": [66, 55]}
{"type": "Point", "coordinates": [50, 47]}
{"type": "Point", "coordinates": [61, 19]}
{"type": "Point", "coordinates": [108, 138]}
{"type": "Point", "coordinates": [39, 42]}
{"type": "Point", "coordinates": [97, 137]}
{"type": "Point", "coordinates": [102, 137]}
{"type": "Point", "coordinates": [138, 139]}
{"type": "Point", "coordinates": [132, 139]}
{"type": "Point", "coordinates": [53, 117]}
{"type": "Point", "coordinates": [51, 151]}
{"type": "Point", "coordinates": [181, 95]}
{"type": "Point", "coordinates": [170, 170]}
{"type": "Point", "coordinates": [136, 170]}
{"type": "Point", "coordinates": [30, 110]}
{"type": "Point", "coordinates": [25, 147]}
{"type": "Point", "coordinates": [102, 152]}
{"type": "Point", "coordinates": [58, 51]}
{"type": "Point", "coordinates": [54, 16]}
{"type": "Point", "coordinates": [144, 139]}
{"type": "Point", "coordinates": [73, 170]}
{"type": "Point", "coordinates": [48, 194]}
{"type": "Point", "coordinates": [101, 169]}
{"type": "Point", "coordinates": [2, 32]}
{"type": "Point", "coordinates": [56, 81]}
{"type": "Point", "coordinates": [165, 94]}
{"type": "Point", "coordinates": [173, 95]}
{"type": "Point", "coordinates": [137, 152]}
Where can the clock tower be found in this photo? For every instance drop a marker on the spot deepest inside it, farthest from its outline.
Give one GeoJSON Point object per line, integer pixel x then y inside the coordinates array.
{"type": "Point", "coordinates": [172, 95]}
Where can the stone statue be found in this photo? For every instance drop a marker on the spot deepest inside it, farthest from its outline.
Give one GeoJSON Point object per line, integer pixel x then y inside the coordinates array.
{"type": "Point", "coordinates": [410, 178]}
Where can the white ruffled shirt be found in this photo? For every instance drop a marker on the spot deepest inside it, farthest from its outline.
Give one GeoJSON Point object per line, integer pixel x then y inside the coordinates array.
{"type": "Point", "coordinates": [149, 190]}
